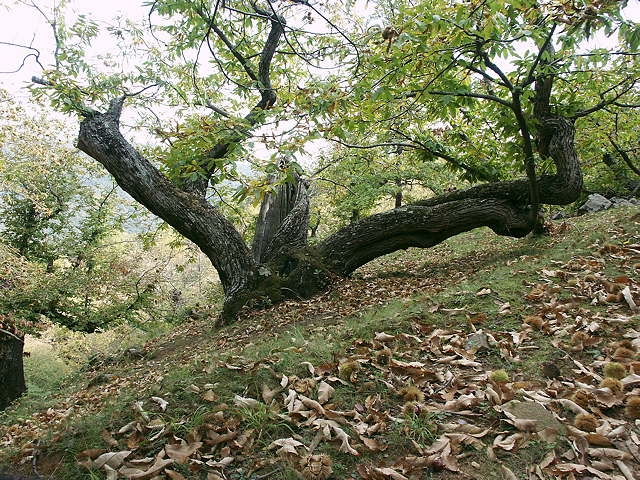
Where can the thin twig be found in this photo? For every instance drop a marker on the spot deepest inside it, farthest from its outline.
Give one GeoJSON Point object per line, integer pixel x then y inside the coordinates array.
{"type": "Point", "coordinates": [493, 98]}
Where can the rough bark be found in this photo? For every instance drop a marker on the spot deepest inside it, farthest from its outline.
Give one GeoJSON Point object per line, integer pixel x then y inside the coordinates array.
{"type": "Point", "coordinates": [503, 206]}
{"type": "Point", "coordinates": [418, 226]}
{"type": "Point", "coordinates": [184, 206]}
{"type": "Point", "coordinates": [12, 383]}
{"type": "Point", "coordinates": [189, 214]}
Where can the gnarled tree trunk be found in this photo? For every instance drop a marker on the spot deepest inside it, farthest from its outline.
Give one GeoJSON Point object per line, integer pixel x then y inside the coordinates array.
{"type": "Point", "coordinates": [281, 263]}
{"type": "Point", "coordinates": [502, 206]}
{"type": "Point", "coordinates": [12, 383]}
{"type": "Point", "coordinates": [418, 226]}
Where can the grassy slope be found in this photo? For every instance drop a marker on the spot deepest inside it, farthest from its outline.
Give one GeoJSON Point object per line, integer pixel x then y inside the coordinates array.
{"type": "Point", "coordinates": [401, 293]}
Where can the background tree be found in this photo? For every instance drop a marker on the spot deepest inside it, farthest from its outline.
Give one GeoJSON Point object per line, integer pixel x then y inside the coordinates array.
{"type": "Point", "coordinates": [16, 285]}
{"type": "Point", "coordinates": [57, 210]}
{"type": "Point", "coordinates": [356, 182]}
{"type": "Point", "coordinates": [501, 77]}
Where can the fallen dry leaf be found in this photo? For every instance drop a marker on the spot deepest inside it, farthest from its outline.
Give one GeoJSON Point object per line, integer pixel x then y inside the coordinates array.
{"type": "Point", "coordinates": [180, 453]}
{"type": "Point", "coordinates": [324, 392]}
{"type": "Point", "coordinates": [111, 459]}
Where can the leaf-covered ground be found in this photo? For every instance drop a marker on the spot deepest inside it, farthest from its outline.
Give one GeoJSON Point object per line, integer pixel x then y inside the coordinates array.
{"type": "Point", "coordinates": [481, 358]}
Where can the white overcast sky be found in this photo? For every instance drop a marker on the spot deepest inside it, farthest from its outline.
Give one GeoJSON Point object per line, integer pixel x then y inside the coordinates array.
{"type": "Point", "coordinates": [23, 25]}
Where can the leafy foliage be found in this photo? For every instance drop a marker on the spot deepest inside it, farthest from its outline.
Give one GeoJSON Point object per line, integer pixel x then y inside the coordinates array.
{"type": "Point", "coordinates": [453, 82]}
{"type": "Point", "coordinates": [446, 81]}
{"type": "Point", "coordinates": [606, 138]}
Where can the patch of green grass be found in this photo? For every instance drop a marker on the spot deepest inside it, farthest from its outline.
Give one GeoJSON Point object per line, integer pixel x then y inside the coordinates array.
{"type": "Point", "coordinates": [193, 419]}
{"type": "Point", "coordinates": [265, 421]}
{"type": "Point", "coordinates": [87, 434]}
{"type": "Point", "coordinates": [531, 364]}
{"type": "Point", "coordinates": [391, 318]}
{"type": "Point", "coordinates": [47, 378]}
{"type": "Point", "coordinates": [44, 370]}
{"type": "Point", "coordinates": [421, 427]}
{"type": "Point", "coordinates": [228, 383]}
{"type": "Point", "coordinates": [344, 396]}
{"type": "Point", "coordinates": [178, 378]}
{"type": "Point", "coordinates": [79, 348]}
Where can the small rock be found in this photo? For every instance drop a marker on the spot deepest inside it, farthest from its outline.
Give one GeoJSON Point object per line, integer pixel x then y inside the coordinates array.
{"type": "Point", "coordinates": [621, 202]}
{"type": "Point", "coordinates": [477, 341]}
{"type": "Point", "coordinates": [534, 411]}
{"type": "Point", "coordinates": [594, 203]}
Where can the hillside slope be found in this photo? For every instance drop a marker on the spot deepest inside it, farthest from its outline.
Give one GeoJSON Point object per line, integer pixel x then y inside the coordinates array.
{"type": "Point", "coordinates": [480, 358]}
